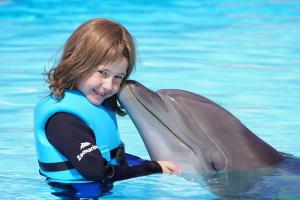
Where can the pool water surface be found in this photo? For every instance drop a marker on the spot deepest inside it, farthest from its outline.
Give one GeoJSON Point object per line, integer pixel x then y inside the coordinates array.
{"type": "Point", "coordinates": [243, 55]}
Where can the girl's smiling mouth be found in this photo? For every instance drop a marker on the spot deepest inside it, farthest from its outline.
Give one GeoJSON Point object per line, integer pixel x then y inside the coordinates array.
{"type": "Point", "coordinates": [98, 93]}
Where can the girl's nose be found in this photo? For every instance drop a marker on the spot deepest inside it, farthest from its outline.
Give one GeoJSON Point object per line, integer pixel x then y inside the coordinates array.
{"type": "Point", "coordinates": [108, 84]}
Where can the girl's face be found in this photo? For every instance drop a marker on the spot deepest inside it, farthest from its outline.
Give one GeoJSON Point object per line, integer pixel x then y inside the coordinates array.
{"type": "Point", "coordinates": [104, 82]}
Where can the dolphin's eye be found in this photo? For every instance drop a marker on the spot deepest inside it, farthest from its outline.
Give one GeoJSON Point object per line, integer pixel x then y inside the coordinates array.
{"type": "Point", "coordinates": [214, 166]}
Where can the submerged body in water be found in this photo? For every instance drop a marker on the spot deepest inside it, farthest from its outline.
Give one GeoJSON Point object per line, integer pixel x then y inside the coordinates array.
{"type": "Point", "coordinates": [204, 138]}
{"type": "Point", "coordinates": [280, 181]}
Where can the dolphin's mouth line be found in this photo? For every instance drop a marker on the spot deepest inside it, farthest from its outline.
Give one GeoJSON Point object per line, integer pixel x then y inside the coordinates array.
{"type": "Point", "coordinates": [145, 107]}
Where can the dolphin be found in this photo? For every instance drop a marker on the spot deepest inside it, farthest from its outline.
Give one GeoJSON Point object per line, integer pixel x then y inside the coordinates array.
{"type": "Point", "coordinates": [193, 131]}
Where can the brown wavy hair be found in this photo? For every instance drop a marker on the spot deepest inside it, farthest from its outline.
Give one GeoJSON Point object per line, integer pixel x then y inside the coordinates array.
{"type": "Point", "coordinates": [96, 42]}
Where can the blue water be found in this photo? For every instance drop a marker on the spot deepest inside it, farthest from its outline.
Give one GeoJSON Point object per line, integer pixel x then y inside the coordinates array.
{"type": "Point", "coordinates": [243, 55]}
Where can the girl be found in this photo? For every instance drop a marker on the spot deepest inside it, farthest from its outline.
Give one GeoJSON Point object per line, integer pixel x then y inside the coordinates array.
{"type": "Point", "coordinates": [77, 139]}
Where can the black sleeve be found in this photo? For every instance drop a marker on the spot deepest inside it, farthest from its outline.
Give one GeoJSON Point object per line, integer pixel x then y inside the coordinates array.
{"type": "Point", "coordinates": [71, 136]}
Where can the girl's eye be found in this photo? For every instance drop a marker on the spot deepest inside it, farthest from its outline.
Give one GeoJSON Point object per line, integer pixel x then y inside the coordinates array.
{"type": "Point", "coordinates": [120, 77]}
{"type": "Point", "coordinates": [104, 73]}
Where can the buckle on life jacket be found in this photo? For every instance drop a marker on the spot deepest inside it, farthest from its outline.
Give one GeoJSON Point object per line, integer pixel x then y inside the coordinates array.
{"type": "Point", "coordinates": [119, 155]}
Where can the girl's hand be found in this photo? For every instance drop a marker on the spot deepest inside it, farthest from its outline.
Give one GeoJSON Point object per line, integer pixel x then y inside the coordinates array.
{"type": "Point", "coordinates": [169, 167]}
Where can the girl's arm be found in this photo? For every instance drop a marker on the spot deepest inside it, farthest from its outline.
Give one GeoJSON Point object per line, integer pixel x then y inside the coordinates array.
{"type": "Point", "coordinates": [71, 136]}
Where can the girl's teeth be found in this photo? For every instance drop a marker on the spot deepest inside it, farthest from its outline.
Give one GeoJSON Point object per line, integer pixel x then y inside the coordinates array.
{"type": "Point", "coordinates": [98, 93]}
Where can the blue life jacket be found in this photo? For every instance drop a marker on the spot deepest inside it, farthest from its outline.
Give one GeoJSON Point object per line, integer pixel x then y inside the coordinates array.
{"type": "Point", "coordinates": [100, 119]}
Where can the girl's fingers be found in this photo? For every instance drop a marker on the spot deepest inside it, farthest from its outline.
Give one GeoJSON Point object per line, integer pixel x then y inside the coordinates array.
{"type": "Point", "coordinates": [169, 167]}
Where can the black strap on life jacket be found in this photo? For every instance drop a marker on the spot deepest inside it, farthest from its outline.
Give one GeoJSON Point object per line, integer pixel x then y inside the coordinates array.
{"type": "Point", "coordinates": [117, 153]}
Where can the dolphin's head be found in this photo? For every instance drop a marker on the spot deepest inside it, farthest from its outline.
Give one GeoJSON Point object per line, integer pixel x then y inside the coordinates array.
{"type": "Point", "coordinates": [191, 130]}
{"type": "Point", "coordinates": [155, 114]}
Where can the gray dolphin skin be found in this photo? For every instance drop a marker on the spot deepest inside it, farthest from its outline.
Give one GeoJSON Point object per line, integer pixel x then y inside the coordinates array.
{"type": "Point", "coordinates": [212, 147]}
{"type": "Point", "coordinates": [193, 131]}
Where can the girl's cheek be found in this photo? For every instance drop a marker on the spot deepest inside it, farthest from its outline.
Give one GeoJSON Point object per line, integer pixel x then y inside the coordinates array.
{"type": "Point", "coordinates": [116, 89]}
